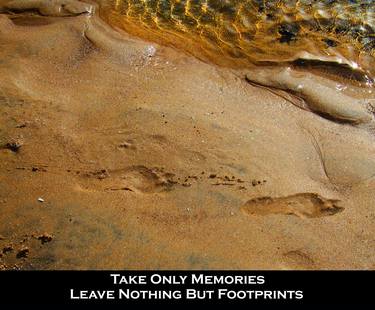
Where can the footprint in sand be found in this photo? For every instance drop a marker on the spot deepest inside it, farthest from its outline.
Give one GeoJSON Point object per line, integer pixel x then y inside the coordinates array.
{"type": "Point", "coordinates": [134, 179]}
{"type": "Point", "coordinates": [146, 180]}
{"type": "Point", "coordinates": [298, 259]}
{"type": "Point", "coordinates": [303, 205]}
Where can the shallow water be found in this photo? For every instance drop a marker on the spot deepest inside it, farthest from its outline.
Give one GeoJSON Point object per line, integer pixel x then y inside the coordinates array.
{"type": "Point", "coordinates": [320, 51]}
{"type": "Point", "coordinates": [239, 32]}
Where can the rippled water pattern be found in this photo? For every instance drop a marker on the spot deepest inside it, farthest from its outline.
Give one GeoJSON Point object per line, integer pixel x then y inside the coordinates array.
{"type": "Point", "coordinates": [257, 30]}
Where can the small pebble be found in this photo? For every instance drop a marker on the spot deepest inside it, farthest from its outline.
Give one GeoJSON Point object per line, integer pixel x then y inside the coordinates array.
{"type": "Point", "coordinates": [150, 51]}
{"type": "Point", "coordinates": [7, 249]}
{"type": "Point", "coordinates": [44, 238]}
{"type": "Point", "coordinates": [23, 253]}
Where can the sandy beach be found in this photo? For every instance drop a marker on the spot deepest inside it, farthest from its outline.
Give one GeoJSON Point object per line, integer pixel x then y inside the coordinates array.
{"type": "Point", "coordinates": [120, 153]}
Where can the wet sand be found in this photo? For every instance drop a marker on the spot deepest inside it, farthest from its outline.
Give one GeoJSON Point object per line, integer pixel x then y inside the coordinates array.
{"type": "Point", "coordinates": [120, 153]}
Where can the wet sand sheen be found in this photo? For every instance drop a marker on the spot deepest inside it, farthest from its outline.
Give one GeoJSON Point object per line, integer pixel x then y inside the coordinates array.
{"type": "Point", "coordinates": [160, 161]}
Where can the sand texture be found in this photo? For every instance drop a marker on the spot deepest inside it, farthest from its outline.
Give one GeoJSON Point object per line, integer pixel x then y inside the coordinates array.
{"type": "Point", "coordinates": [121, 153]}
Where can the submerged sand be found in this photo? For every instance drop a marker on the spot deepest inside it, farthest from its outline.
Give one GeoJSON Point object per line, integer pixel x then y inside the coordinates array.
{"type": "Point", "coordinates": [120, 153]}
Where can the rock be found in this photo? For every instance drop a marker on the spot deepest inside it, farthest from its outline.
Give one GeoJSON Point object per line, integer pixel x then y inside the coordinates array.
{"type": "Point", "coordinates": [150, 51]}
{"type": "Point", "coordinates": [23, 252]}
{"type": "Point", "coordinates": [7, 249]}
{"type": "Point", "coordinates": [44, 238]}
{"type": "Point", "coordinates": [14, 146]}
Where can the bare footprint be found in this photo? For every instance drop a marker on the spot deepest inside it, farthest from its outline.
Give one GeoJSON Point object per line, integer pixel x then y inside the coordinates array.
{"type": "Point", "coordinates": [298, 259]}
{"type": "Point", "coordinates": [139, 179]}
{"type": "Point", "coordinates": [146, 180]}
{"type": "Point", "coordinates": [303, 205]}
